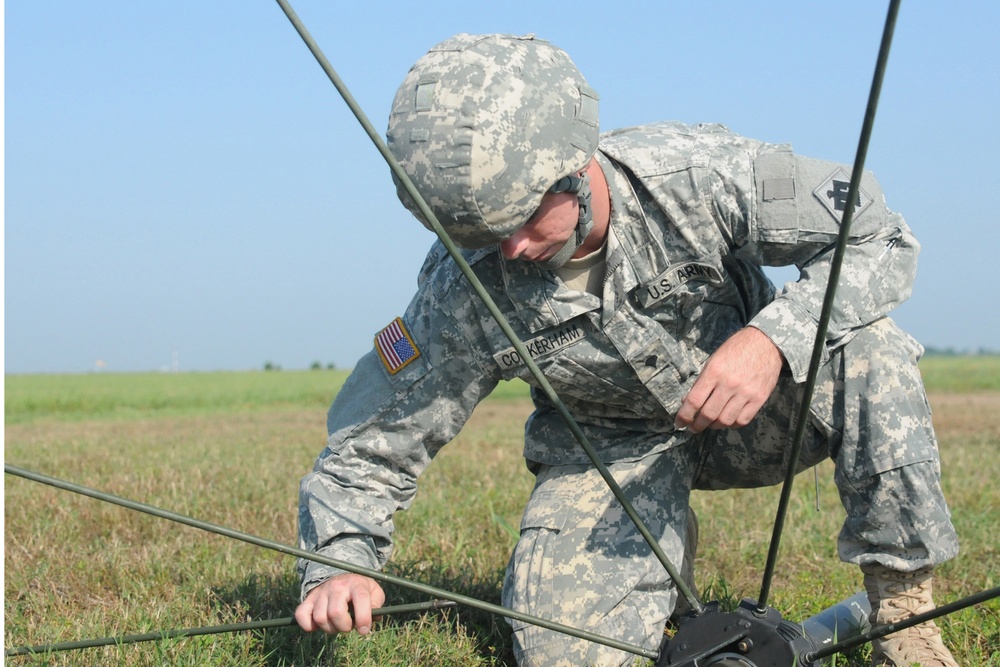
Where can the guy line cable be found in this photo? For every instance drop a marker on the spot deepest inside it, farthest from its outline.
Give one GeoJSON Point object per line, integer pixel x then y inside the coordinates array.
{"type": "Point", "coordinates": [209, 630]}
{"type": "Point", "coordinates": [309, 555]}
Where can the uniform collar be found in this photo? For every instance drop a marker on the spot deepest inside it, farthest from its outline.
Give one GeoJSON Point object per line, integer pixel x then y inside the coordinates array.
{"type": "Point", "coordinates": [620, 270]}
{"type": "Point", "coordinates": [539, 298]}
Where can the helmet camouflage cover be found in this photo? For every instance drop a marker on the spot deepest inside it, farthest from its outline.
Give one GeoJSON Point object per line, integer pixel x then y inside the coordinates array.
{"type": "Point", "coordinates": [484, 125]}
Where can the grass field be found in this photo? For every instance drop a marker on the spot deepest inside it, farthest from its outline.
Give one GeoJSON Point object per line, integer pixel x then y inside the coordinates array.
{"type": "Point", "coordinates": [229, 448]}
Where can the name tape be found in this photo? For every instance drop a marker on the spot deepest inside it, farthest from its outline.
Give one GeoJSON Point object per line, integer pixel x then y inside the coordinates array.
{"type": "Point", "coordinates": [547, 343]}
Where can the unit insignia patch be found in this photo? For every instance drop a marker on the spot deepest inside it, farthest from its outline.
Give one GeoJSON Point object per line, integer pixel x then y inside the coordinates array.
{"type": "Point", "coordinates": [833, 194]}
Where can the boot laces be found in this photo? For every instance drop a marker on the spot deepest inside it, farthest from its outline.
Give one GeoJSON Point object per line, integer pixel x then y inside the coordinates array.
{"type": "Point", "coordinates": [905, 599]}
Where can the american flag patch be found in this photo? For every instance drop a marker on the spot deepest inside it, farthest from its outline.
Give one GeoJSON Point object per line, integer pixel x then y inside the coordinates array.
{"type": "Point", "coordinates": [395, 347]}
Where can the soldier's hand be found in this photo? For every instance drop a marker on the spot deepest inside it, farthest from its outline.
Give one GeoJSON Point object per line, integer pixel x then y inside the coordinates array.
{"type": "Point", "coordinates": [736, 381]}
{"type": "Point", "coordinates": [328, 606]}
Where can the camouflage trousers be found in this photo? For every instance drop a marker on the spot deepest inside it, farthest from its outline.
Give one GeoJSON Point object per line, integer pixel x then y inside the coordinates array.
{"type": "Point", "coordinates": [581, 562]}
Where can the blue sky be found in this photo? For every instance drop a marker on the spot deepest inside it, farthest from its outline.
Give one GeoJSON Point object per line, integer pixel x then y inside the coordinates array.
{"type": "Point", "coordinates": [183, 186]}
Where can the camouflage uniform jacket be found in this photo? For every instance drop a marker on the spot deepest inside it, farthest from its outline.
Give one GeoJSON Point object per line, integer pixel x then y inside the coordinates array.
{"type": "Point", "coordinates": [696, 211]}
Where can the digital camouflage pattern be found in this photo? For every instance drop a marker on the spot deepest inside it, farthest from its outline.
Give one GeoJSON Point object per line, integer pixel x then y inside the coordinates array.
{"type": "Point", "coordinates": [696, 210]}
{"type": "Point", "coordinates": [484, 125]}
{"type": "Point", "coordinates": [581, 562]}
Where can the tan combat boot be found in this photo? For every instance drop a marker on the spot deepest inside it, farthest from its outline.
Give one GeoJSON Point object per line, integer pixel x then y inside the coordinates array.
{"type": "Point", "coordinates": [895, 596]}
{"type": "Point", "coordinates": [687, 567]}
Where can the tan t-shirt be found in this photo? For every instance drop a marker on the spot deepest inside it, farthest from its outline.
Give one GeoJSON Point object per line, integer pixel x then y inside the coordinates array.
{"type": "Point", "coordinates": [585, 274]}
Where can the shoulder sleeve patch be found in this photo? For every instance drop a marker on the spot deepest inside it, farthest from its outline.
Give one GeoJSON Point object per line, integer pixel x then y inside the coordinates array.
{"type": "Point", "coordinates": [395, 347]}
{"type": "Point", "coordinates": [833, 192]}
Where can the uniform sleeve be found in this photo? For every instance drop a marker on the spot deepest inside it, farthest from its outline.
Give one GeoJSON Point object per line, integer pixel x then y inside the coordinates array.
{"type": "Point", "coordinates": [384, 429]}
{"type": "Point", "coordinates": [780, 209]}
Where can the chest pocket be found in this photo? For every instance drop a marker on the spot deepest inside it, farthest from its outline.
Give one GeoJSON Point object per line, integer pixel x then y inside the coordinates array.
{"type": "Point", "coordinates": [695, 302]}
{"type": "Point", "coordinates": [667, 341]}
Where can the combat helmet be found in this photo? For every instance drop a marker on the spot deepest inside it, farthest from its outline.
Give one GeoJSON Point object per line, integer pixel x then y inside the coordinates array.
{"type": "Point", "coordinates": [485, 125]}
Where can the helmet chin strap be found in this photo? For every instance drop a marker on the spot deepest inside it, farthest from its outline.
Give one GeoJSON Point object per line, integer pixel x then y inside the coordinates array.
{"type": "Point", "coordinates": [585, 222]}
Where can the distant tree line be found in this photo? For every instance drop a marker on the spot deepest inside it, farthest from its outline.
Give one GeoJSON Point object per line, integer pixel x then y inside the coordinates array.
{"type": "Point", "coordinates": [952, 352]}
{"type": "Point", "coordinates": [314, 366]}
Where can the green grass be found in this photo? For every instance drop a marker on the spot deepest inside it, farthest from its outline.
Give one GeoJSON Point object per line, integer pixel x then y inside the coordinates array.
{"type": "Point", "coordinates": [124, 396]}
{"type": "Point", "coordinates": [961, 374]}
{"type": "Point", "coordinates": [229, 448]}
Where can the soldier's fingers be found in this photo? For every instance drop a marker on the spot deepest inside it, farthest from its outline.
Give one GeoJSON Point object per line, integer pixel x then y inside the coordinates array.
{"type": "Point", "coordinates": [746, 415]}
{"type": "Point", "coordinates": [378, 597]}
{"type": "Point", "coordinates": [693, 403]}
{"type": "Point", "coordinates": [325, 608]}
{"type": "Point", "coordinates": [710, 411]}
{"type": "Point", "coordinates": [362, 603]}
{"type": "Point", "coordinates": [335, 616]}
{"type": "Point", "coordinates": [303, 615]}
{"type": "Point", "coordinates": [315, 613]}
{"type": "Point", "coordinates": [729, 416]}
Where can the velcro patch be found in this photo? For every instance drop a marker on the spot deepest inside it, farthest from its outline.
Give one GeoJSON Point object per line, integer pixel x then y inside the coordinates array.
{"type": "Point", "coordinates": [664, 284]}
{"type": "Point", "coordinates": [779, 188]}
{"type": "Point", "coordinates": [395, 346]}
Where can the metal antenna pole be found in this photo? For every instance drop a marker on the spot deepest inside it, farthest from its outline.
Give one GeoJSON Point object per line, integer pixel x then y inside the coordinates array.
{"type": "Point", "coordinates": [456, 255]}
{"type": "Point", "coordinates": [831, 290]}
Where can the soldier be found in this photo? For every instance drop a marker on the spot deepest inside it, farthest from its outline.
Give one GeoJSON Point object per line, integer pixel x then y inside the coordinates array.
{"type": "Point", "coordinates": [630, 266]}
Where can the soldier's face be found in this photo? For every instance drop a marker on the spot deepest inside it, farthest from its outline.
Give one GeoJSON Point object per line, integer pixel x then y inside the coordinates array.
{"type": "Point", "coordinates": [546, 231]}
